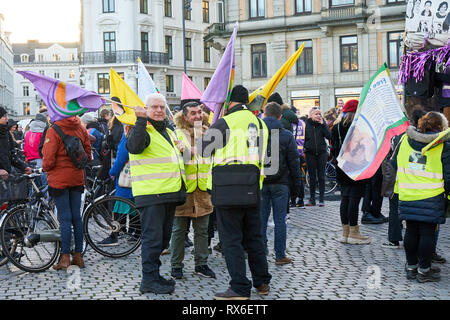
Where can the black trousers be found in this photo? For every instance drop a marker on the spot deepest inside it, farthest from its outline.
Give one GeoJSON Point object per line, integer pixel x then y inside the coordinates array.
{"type": "Point", "coordinates": [395, 225]}
{"type": "Point", "coordinates": [373, 200]}
{"type": "Point", "coordinates": [211, 223]}
{"type": "Point", "coordinates": [419, 243]}
{"type": "Point", "coordinates": [239, 230]}
{"type": "Point", "coordinates": [156, 222]}
{"type": "Point", "coordinates": [316, 168]}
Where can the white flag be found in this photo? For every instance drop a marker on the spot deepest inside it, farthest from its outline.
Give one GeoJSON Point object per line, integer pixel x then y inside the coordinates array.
{"type": "Point", "coordinates": [146, 85]}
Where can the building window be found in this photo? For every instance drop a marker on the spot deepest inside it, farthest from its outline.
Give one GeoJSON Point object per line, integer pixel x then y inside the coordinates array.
{"type": "Point", "coordinates": [220, 12]}
{"type": "Point", "coordinates": [71, 57]}
{"type": "Point", "coordinates": [144, 41]}
{"type": "Point", "coordinates": [40, 58]}
{"type": "Point", "coordinates": [259, 61]}
{"type": "Point", "coordinates": [206, 52]}
{"type": "Point", "coordinates": [103, 83]}
{"type": "Point", "coordinates": [169, 83]}
{"type": "Point", "coordinates": [302, 6]}
{"type": "Point", "coordinates": [42, 72]}
{"type": "Point", "coordinates": [26, 91]}
{"type": "Point", "coordinates": [168, 8]}
{"type": "Point", "coordinates": [188, 49]}
{"type": "Point", "coordinates": [395, 49]}
{"type": "Point", "coordinates": [109, 45]}
{"type": "Point", "coordinates": [305, 61]}
{"type": "Point", "coordinates": [338, 3]}
{"type": "Point", "coordinates": [206, 82]}
{"type": "Point", "coordinates": [26, 108]}
{"type": "Point", "coordinates": [72, 74]}
{"type": "Point", "coordinates": [56, 75]}
{"type": "Point", "coordinates": [56, 57]}
{"type": "Point", "coordinates": [257, 8]}
{"type": "Point", "coordinates": [169, 46]}
{"type": "Point", "coordinates": [24, 58]}
{"type": "Point", "coordinates": [108, 6]}
{"type": "Point", "coordinates": [349, 53]}
{"type": "Point", "coordinates": [144, 6]}
{"type": "Point", "coordinates": [205, 8]}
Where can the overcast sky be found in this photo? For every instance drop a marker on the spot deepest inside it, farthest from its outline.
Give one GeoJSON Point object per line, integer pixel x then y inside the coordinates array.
{"type": "Point", "coordinates": [43, 20]}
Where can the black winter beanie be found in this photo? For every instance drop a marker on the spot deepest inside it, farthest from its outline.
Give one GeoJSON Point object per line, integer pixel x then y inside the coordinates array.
{"type": "Point", "coordinates": [2, 112]}
{"type": "Point", "coordinates": [275, 97]}
{"type": "Point", "coordinates": [239, 94]}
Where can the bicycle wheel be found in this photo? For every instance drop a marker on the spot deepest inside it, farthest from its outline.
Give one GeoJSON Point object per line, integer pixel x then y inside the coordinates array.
{"type": "Point", "coordinates": [330, 178]}
{"type": "Point", "coordinates": [116, 219]}
{"type": "Point", "coordinates": [20, 223]}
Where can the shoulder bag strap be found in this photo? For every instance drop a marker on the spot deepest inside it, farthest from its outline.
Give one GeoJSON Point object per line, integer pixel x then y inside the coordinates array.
{"type": "Point", "coordinates": [58, 130]}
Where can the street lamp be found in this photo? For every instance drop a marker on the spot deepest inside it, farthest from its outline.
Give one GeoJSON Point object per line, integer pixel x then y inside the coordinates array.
{"type": "Point", "coordinates": [186, 6]}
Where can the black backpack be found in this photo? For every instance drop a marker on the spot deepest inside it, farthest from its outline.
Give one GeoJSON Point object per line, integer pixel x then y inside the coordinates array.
{"type": "Point", "coordinates": [74, 148]}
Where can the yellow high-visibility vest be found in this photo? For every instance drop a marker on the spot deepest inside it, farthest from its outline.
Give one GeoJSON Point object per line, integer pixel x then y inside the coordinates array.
{"type": "Point", "coordinates": [419, 176]}
{"type": "Point", "coordinates": [241, 148]}
{"type": "Point", "coordinates": [197, 167]}
{"type": "Point", "coordinates": [159, 168]}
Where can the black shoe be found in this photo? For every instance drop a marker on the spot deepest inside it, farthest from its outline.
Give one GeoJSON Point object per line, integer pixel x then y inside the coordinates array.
{"type": "Point", "coordinates": [300, 204]}
{"type": "Point", "coordinates": [311, 204]}
{"type": "Point", "coordinates": [429, 276]}
{"type": "Point", "coordinates": [411, 273]}
{"type": "Point", "coordinates": [368, 218]}
{"type": "Point", "coordinates": [156, 286]}
{"type": "Point", "coordinates": [110, 241]}
{"type": "Point", "coordinates": [205, 271]}
{"type": "Point", "coordinates": [292, 204]}
{"type": "Point", "coordinates": [229, 295]}
{"type": "Point", "coordinates": [438, 259]}
{"type": "Point", "coordinates": [169, 282]}
{"type": "Point", "coordinates": [177, 273]}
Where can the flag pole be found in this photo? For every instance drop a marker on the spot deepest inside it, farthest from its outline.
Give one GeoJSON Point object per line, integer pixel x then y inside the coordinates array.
{"type": "Point", "coordinates": [125, 105]}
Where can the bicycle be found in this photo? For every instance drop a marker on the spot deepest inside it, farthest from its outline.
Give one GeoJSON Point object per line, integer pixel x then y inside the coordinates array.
{"type": "Point", "coordinates": [34, 234]}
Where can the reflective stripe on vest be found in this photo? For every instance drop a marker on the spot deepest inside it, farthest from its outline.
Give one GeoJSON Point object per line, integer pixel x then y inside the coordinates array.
{"type": "Point", "coordinates": [197, 168]}
{"type": "Point", "coordinates": [159, 168]}
{"type": "Point", "coordinates": [241, 147]}
{"type": "Point", "coordinates": [419, 176]}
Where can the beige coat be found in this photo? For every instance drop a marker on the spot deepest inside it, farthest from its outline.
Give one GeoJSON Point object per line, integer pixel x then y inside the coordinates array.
{"type": "Point", "coordinates": [198, 203]}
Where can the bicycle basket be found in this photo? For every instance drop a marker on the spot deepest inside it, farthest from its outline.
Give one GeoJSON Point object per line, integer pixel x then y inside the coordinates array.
{"type": "Point", "coordinates": [14, 188]}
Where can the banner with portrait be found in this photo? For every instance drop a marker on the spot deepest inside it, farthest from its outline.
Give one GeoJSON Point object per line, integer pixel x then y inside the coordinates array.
{"type": "Point", "coordinates": [379, 117]}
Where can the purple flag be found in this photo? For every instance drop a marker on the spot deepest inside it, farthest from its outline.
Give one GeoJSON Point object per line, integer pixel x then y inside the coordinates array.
{"type": "Point", "coordinates": [63, 100]}
{"type": "Point", "coordinates": [217, 91]}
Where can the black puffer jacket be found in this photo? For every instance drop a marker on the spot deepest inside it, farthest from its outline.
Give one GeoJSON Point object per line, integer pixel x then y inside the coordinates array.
{"type": "Point", "coordinates": [8, 157]}
{"type": "Point", "coordinates": [315, 135]}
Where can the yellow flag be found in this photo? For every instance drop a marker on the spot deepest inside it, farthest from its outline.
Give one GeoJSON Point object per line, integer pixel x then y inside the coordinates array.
{"type": "Point", "coordinates": [259, 97]}
{"type": "Point", "coordinates": [121, 90]}
{"type": "Point", "coordinates": [441, 138]}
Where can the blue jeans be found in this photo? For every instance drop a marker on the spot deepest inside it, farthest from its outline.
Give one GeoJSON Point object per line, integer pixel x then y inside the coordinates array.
{"type": "Point", "coordinates": [68, 207]}
{"type": "Point", "coordinates": [275, 196]}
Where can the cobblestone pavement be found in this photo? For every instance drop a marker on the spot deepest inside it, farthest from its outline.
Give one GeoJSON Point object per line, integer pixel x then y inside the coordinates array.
{"type": "Point", "coordinates": [322, 268]}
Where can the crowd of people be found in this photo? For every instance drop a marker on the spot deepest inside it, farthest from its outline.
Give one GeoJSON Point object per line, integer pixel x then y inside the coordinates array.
{"type": "Point", "coordinates": [231, 175]}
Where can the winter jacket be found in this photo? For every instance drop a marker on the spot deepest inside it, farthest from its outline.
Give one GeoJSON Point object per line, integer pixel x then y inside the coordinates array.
{"type": "Point", "coordinates": [389, 173]}
{"type": "Point", "coordinates": [338, 134]}
{"type": "Point", "coordinates": [103, 126]}
{"type": "Point", "coordinates": [115, 135]}
{"type": "Point", "coordinates": [61, 172]}
{"type": "Point", "coordinates": [288, 155]}
{"type": "Point", "coordinates": [139, 139]}
{"type": "Point", "coordinates": [315, 135]}
{"type": "Point", "coordinates": [288, 118]}
{"type": "Point", "coordinates": [198, 203]}
{"type": "Point", "coordinates": [32, 140]}
{"type": "Point", "coordinates": [431, 210]}
{"type": "Point", "coordinates": [8, 156]}
{"type": "Point", "coordinates": [121, 160]}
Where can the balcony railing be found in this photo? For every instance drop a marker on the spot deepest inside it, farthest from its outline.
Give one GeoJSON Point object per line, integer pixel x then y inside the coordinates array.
{"type": "Point", "coordinates": [124, 56]}
{"type": "Point", "coordinates": [32, 60]}
{"type": "Point", "coordinates": [214, 30]}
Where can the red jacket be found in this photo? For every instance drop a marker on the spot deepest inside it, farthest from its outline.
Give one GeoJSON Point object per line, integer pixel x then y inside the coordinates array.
{"type": "Point", "coordinates": [31, 145]}
{"type": "Point", "coordinates": [61, 172]}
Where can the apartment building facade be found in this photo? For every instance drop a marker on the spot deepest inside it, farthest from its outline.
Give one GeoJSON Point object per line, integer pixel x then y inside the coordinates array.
{"type": "Point", "coordinates": [6, 70]}
{"type": "Point", "coordinates": [346, 41]}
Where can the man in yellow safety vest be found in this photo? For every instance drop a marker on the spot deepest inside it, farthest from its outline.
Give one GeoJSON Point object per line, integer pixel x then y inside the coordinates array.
{"type": "Point", "coordinates": [158, 185]}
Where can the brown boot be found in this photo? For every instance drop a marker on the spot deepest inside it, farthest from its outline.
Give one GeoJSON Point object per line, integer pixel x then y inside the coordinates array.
{"type": "Point", "coordinates": [64, 262]}
{"type": "Point", "coordinates": [345, 232]}
{"type": "Point", "coordinates": [77, 260]}
{"type": "Point", "coordinates": [354, 237]}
